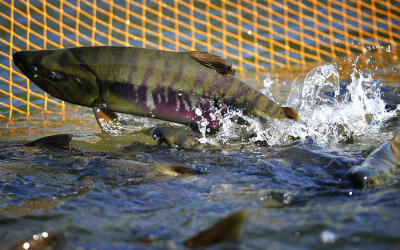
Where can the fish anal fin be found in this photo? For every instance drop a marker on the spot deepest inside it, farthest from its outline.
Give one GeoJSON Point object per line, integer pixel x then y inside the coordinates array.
{"type": "Point", "coordinates": [291, 113]}
{"type": "Point", "coordinates": [221, 65]}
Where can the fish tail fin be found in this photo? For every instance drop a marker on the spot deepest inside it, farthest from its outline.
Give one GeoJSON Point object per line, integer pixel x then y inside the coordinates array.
{"type": "Point", "coordinates": [291, 113]}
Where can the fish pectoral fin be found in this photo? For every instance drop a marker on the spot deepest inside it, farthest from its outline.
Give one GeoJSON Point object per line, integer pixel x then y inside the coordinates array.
{"type": "Point", "coordinates": [105, 118]}
{"type": "Point", "coordinates": [221, 65]}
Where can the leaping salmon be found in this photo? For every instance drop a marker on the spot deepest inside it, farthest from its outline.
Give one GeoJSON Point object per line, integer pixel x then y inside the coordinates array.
{"type": "Point", "coordinates": [181, 87]}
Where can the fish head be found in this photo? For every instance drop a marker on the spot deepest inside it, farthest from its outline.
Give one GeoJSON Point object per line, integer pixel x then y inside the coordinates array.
{"type": "Point", "coordinates": [61, 74]}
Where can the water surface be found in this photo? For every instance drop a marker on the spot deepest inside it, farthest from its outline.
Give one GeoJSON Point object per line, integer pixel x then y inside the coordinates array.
{"type": "Point", "coordinates": [297, 192]}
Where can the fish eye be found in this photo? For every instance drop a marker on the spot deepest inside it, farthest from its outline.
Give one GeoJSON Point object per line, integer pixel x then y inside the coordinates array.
{"type": "Point", "coordinates": [55, 76]}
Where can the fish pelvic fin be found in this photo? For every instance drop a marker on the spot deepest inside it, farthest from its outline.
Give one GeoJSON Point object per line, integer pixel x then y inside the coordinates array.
{"type": "Point", "coordinates": [291, 113]}
{"type": "Point", "coordinates": [105, 118]}
{"type": "Point", "coordinates": [221, 65]}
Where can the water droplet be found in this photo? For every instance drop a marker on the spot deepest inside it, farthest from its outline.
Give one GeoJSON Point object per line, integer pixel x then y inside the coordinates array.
{"type": "Point", "coordinates": [35, 75]}
{"type": "Point", "coordinates": [198, 112]}
{"type": "Point", "coordinates": [26, 245]}
{"type": "Point", "coordinates": [45, 235]}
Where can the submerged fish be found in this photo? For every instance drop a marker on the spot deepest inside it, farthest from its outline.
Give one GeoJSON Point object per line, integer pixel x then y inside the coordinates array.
{"type": "Point", "coordinates": [182, 87]}
{"type": "Point", "coordinates": [42, 241]}
{"type": "Point", "coordinates": [380, 165]}
{"type": "Point", "coordinates": [60, 141]}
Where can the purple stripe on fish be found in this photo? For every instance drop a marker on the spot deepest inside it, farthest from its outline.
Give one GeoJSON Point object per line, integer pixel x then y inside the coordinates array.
{"type": "Point", "coordinates": [188, 101]}
{"type": "Point", "coordinates": [172, 102]}
{"type": "Point", "coordinates": [142, 95]}
{"type": "Point", "coordinates": [126, 91]}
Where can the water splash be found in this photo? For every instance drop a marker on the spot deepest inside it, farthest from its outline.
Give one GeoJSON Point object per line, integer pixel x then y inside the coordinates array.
{"type": "Point", "coordinates": [267, 83]}
{"type": "Point", "coordinates": [332, 112]}
{"type": "Point", "coordinates": [126, 124]}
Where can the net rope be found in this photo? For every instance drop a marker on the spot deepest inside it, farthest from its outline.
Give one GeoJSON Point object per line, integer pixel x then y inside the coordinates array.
{"type": "Point", "coordinates": [254, 35]}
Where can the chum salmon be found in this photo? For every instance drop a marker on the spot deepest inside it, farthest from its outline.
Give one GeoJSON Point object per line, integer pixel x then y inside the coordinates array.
{"type": "Point", "coordinates": [182, 87]}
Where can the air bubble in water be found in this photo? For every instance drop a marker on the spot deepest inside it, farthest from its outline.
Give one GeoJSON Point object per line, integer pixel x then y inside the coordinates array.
{"type": "Point", "coordinates": [328, 237]}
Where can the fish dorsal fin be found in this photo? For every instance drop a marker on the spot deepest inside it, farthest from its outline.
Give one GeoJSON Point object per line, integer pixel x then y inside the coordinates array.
{"type": "Point", "coordinates": [221, 65]}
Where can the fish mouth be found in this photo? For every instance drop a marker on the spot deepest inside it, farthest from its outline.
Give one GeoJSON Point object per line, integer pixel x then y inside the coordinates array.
{"type": "Point", "coordinates": [21, 60]}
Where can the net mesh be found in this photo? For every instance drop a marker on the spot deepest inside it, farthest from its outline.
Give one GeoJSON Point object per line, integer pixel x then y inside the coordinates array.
{"type": "Point", "coordinates": [254, 35]}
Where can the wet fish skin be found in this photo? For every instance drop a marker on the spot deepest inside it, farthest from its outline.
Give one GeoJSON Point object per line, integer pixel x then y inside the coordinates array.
{"type": "Point", "coordinates": [182, 87]}
{"type": "Point", "coordinates": [379, 166]}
